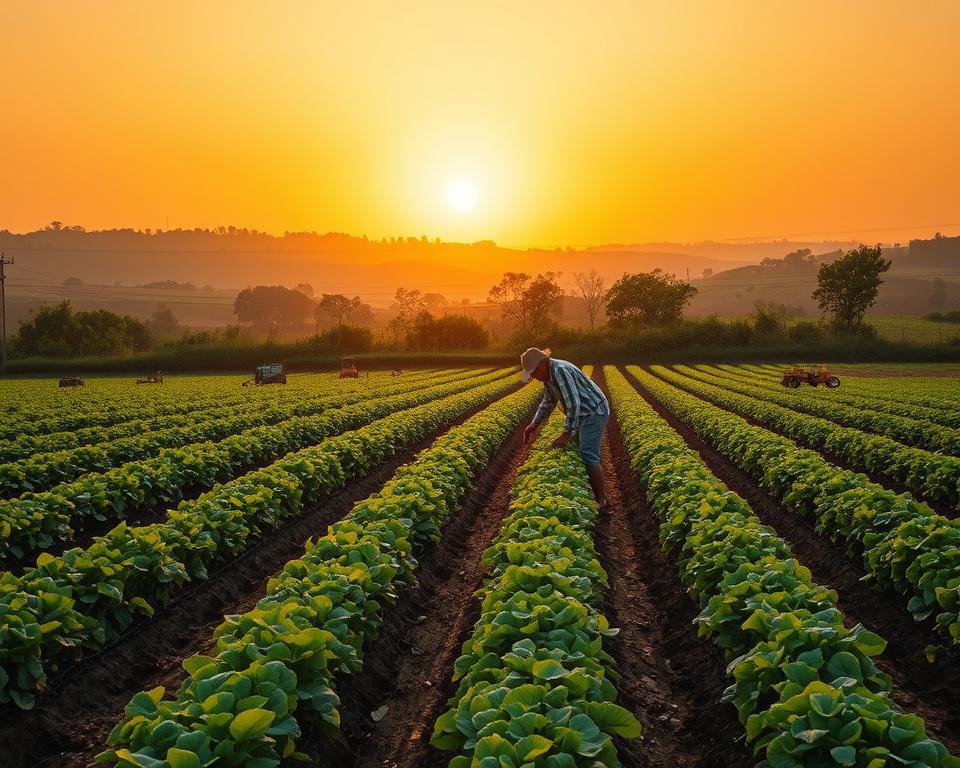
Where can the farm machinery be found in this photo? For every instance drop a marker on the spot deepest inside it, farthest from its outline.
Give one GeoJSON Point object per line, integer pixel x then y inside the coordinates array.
{"type": "Point", "coordinates": [271, 373]}
{"type": "Point", "coordinates": [819, 374]}
{"type": "Point", "coordinates": [151, 378]}
{"type": "Point", "coordinates": [71, 381]}
{"type": "Point", "coordinates": [349, 369]}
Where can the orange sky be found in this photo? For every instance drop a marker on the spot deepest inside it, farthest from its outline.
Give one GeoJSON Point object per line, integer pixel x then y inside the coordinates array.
{"type": "Point", "coordinates": [576, 123]}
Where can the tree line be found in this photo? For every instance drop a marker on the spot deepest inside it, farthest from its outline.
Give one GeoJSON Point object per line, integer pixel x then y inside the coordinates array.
{"type": "Point", "coordinates": [529, 307]}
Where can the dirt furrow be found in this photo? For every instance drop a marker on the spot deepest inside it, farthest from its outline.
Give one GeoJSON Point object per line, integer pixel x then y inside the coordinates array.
{"type": "Point", "coordinates": [73, 717]}
{"type": "Point", "coordinates": [408, 669]}
{"type": "Point", "coordinates": [931, 690]}
{"type": "Point", "coordinates": [671, 680]}
{"type": "Point", "coordinates": [837, 461]}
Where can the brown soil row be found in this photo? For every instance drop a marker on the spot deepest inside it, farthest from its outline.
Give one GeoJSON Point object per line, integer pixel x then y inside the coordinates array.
{"type": "Point", "coordinates": [408, 669]}
{"type": "Point", "coordinates": [837, 461]}
{"type": "Point", "coordinates": [672, 680]}
{"type": "Point", "coordinates": [930, 690]}
{"type": "Point", "coordinates": [88, 530]}
{"type": "Point", "coordinates": [72, 719]}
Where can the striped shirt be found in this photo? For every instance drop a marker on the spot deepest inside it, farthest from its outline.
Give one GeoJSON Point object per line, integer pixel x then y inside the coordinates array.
{"type": "Point", "coordinates": [576, 393]}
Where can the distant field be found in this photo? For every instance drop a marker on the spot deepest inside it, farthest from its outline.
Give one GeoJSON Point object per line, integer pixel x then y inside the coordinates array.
{"type": "Point", "coordinates": [909, 329]}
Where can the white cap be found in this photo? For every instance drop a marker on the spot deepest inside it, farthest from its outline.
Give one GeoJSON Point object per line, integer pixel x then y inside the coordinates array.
{"type": "Point", "coordinates": [530, 359]}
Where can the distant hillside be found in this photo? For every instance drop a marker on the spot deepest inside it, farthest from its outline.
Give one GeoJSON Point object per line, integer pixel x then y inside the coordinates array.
{"type": "Point", "coordinates": [132, 271]}
{"type": "Point", "coordinates": [915, 283]}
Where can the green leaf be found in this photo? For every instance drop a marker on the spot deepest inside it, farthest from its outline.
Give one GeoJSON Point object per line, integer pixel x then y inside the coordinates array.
{"type": "Point", "coordinates": [181, 758]}
{"type": "Point", "coordinates": [548, 669]}
{"type": "Point", "coordinates": [251, 724]}
{"type": "Point", "coordinates": [613, 719]}
{"type": "Point", "coordinates": [844, 755]}
{"type": "Point", "coordinates": [533, 746]}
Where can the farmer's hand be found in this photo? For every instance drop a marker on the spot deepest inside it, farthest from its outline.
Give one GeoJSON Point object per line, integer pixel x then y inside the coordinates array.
{"type": "Point", "coordinates": [562, 440]}
{"type": "Point", "coordinates": [529, 433]}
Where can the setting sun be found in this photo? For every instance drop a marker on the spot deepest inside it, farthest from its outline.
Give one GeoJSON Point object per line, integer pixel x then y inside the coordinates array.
{"type": "Point", "coordinates": [462, 195]}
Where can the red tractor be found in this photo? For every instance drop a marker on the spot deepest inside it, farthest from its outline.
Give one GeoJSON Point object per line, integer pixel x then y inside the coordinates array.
{"type": "Point", "coordinates": [819, 374]}
{"type": "Point", "coordinates": [349, 368]}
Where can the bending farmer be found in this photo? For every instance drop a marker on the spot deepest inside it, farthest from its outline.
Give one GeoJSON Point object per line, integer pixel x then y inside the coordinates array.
{"type": "Point", "coordinates": [584, 403]}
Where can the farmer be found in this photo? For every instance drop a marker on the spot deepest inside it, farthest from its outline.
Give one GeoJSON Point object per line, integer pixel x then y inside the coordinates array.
{"type": "Point", "coordinates": [583, 402]}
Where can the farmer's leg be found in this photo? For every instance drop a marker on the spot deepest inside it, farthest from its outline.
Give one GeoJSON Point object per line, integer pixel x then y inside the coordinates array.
{"type": "Point", "coordinates": [588, 437]}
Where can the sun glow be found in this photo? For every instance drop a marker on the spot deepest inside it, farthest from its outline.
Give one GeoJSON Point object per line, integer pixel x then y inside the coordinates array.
{"type": "Point", "coordinates": [462, 195]}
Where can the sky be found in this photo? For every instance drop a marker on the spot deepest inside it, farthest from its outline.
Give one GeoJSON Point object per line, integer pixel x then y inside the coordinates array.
{"type": "Point", "coordinates": [531, 124]}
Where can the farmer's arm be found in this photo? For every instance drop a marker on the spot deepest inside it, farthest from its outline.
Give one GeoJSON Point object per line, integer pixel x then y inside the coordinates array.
{"type": "Point", "coordinates": [547, 404]}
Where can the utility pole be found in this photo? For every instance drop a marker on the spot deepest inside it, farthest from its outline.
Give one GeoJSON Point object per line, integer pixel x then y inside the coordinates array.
{"type": "Point", "coordinates": [3, 314]}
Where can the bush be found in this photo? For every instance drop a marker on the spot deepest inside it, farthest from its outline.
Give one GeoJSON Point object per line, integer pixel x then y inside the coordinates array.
{"type": "Point", "coordinates": [807, 333]}
{"type": "Point", "coordinates": [352, 339]}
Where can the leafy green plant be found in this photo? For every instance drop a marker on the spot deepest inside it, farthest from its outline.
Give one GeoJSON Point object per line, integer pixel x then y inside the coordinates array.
{"type": "Point", "coordinates": [535, 687]}
{"type": "Point", "coordinates": [805, 685]}
{"type": "Point", "coordinates": [318, 614]}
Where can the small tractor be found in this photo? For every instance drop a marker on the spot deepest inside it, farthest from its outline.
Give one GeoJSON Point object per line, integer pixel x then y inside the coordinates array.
{"type": "Point", "coordinates": [348, 368]}
{"type": "Point", "coordinates": [71, 381]}
{"type": "Point", "coordinates": [271, 373]}
{"type": "Point", "coordinates": [819, 374]}
{"type": "Point", "coordinates": [152, 378]}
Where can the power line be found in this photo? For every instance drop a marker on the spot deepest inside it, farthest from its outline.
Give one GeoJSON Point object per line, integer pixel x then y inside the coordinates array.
{"type": "Point", "coordinates": [3, 314]}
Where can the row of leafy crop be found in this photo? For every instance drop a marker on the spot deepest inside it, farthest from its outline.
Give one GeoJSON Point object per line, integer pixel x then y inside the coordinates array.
{"type": "Point", "coordinates": [909, 431]}
{"type": "Point", "coordinates": [40, 408]}
{"type": "Point", "coordinates": [905, 546]}
{"type": "Point", "coordinates": [806, 687]}
{"type": "Point", "coordinates": [286, 399]}
{"type": "Point", "coordinates": [535, 686]}
{"type": "Point", "coordinates": [42, 471]}
{"type": "Point", "coordinates": [742, 374]}
{"type": "Point", "coordinates": [930, 476]}
{"type": "Point", "coordinates": [84, 598]}
{"type": "Point", "coordinates": [34, 520]}
{"type": "Point", "coordinates": [274, 667]}
{"type": "Point", "coordinates": [930, 392]}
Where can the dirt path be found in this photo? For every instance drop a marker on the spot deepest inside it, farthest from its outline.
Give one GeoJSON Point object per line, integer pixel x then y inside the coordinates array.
{"type": "Point", "coordinates": [930, 690]}
{"type": "Point", "coordinates": [672, 681]}
{"type": "Point", "coordinates": [409, 667]}
{"type": "Point", "coordinates": [72, 719]}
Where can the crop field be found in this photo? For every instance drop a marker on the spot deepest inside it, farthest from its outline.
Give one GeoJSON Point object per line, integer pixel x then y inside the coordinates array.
{"type": "Point", "coordinates": [378, 573]}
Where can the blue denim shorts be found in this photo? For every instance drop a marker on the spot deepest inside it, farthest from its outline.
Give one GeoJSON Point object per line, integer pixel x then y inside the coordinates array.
{"type": "Point", "coordinates": [589, 434]}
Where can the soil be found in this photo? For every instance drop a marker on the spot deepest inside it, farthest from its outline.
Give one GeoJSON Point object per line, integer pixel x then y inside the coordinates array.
{"type": "Point", "coordinates": [931, 690]}
{"type": "Point", "coordinates": [72, 718]}
{"type": "Point", "coordinates": [837, 461]}
{"type": "Point", "coordinates": [408, 669]}
{"type": "Point", "coordinates": [672, 680]}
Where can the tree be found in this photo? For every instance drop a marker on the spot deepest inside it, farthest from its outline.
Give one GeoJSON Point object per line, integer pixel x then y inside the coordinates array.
{"type": "Point", "coordinates": [592, 288]}
{"type": "Point", "coordinates": [163, 322]}
{"type": "Point", "coordinates": [336, 308]}
{"type": "Point", "coordinates": [350, 339]}
{"type": "Point", "coordinates": [408, 303]}
{"type": "Point", "coordinates": [508, 295]}
{"type": "Point", "coordinates": [434, 301]}
{"type": "Point", "coordinates": [530, 303]}
{"type": "Point", "coordinates": [771, 317]}
{"type": "Point", "coordinates": [848, 287]}
{"type": "Point", "coordinates": [447, 334]}
{"type": "Point", "coordinates": [269, 307]}
{"type": "Point", "coordinates": [305, 288]}
{"type": "Point", "coordinates": [647, 298]}
{"type": "Point", "coordinates": [58, 331]}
